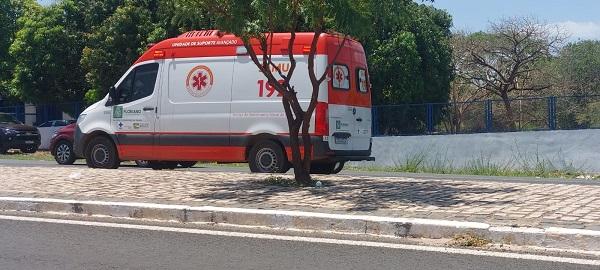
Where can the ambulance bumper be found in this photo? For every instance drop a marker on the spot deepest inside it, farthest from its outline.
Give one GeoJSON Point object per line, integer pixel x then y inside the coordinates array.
{"type": "Point", "coordinates": [322, 152]}
{"type": "Point", "coordinates": [78, 142]}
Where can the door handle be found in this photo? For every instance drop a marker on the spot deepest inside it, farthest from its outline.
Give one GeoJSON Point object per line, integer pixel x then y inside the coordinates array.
{"type": "Point", "coordinates": [147, 109]}
{"type": "Point", "coordinates": [359, 119]}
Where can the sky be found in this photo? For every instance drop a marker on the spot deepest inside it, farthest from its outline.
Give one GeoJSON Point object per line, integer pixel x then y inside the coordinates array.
{"type": "Point", "coordinates": [579, 18]}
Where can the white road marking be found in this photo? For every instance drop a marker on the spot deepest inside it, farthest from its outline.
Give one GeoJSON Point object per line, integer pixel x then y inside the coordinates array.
{"type": "Point", "coordinates": [312, 240]}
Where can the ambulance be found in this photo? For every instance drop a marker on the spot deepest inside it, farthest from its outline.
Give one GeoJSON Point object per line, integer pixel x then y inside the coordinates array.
{"type": "Point", "coordinates": [199, 97]}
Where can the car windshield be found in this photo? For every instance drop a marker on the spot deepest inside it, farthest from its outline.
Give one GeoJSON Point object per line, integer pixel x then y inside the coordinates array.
{"type": "Point", "coordinates": [8, 119]}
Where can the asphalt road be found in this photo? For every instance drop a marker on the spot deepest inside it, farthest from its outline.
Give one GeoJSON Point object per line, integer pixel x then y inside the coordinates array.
{"type": "Point", "coordinates": [225, 168]}
{"type": "Point", "coordinates": [42, 244]}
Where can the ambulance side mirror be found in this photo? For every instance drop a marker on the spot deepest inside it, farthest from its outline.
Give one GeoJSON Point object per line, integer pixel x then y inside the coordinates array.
{"type": "Point", "coordinates": [112, 93]}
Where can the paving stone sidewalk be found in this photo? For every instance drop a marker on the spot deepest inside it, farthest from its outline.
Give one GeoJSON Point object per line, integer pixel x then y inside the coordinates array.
{"type": "Point", "coordinates": [498, 203]}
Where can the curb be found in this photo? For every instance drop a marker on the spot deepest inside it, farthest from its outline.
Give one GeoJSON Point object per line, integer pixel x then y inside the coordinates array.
{"type": "Point", "coordinates": [280, 219]}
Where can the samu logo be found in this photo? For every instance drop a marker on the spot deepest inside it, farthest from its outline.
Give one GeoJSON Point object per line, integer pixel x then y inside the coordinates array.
{"type": "Point", "coordinates": [199, 81]}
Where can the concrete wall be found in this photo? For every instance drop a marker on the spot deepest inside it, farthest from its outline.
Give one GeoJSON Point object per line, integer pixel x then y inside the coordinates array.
{"type": "Point", "coordinates": [578, 149]}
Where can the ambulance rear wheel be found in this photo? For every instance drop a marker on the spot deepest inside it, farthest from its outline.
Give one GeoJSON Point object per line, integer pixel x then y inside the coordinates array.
{"type": "Point", "coordinates": [187, 164]}
{"type": "Point", "coordinates": [327, 168]}
{"type": "Point", "coordinates": [268, 157]}
{"type": "Point", "coordinates": [101, 153]}
{"type": "Point", "coordinates": [162, 165]}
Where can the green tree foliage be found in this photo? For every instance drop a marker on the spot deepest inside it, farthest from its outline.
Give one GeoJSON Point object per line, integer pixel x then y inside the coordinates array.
{"type": "Point", "coordinates": [7, 26]}
{"type": "Point", "coordinates": [120, 31]}
{"type": "Point", "coordinates": [405, 42]}
{"type": "Point", "coordinates": [10, 11]}
{"type": "Point", "coordinates": [410, 58]}
{"type": "Point", "coordinates": [576, 72]}
{"type": "Point", "coordinates": [47, 51]}
{"type": "Point", "coordinates": [579, 68]}
{"type": "Point", "coordinates": [409, 52]}
{"type": "Point", "coordinates": [115, 45]}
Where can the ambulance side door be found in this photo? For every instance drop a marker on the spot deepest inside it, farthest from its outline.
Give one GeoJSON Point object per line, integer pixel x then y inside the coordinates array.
{"type": "Point", "coordinates": [195, 121]}
{"type": "Point", "coordinates": [134, 111]}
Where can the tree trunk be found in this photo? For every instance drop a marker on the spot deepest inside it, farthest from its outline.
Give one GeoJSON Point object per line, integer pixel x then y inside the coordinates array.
{"type": "Point", "coordinates": [301, 173]}
{"type": "Point", "coordinates": [306, 141]}
{"type": "Point", "coordinates": [509, 111]}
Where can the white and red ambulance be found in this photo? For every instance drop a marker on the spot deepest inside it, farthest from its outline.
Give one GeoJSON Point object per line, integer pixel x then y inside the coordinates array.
{"type": "Point", "coordinates": [199, 97]}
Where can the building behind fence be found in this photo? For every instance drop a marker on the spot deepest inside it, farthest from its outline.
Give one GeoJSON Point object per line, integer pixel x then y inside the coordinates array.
{"type": "Point", "coordinates": [38, 114]}
{"type": "Point", "coordinates": [540, 113]}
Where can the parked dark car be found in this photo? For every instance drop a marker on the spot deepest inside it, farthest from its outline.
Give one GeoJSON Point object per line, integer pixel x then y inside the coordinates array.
{"type": "Point", "coordinates": [61, 145]}
{"type": "Point", "coordinates": [16, 135]}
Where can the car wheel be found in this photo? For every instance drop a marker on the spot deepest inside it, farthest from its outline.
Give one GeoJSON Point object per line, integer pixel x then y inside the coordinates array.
{"type": "Point", "coordinates": [142, 163]}
{"type": "Point", "coordinates": [187, 164]}
{"type": "Point", "coordinates": [3, 150]}
{"type": "Point", "coordinates": [327, 168]}
{"type": "Point", "coordinates": [102, 153]}
{"type": "Point", "coordinates": [63, 153]}
{"type": "Point", "coordinates": [267, 157]}
{"type": "Point", "coordinates": [29, 149]}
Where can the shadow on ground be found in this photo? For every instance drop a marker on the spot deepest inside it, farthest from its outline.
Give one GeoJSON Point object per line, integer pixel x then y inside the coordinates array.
{"type": "Point", "coordinates": [356, 194]}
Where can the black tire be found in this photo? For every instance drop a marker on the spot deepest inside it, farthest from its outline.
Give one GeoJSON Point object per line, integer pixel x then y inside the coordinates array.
{"type": "Point", "coordinates": [339, 167]}
{"type": "Point", "coordinates": [29, 149]}
{"type": "Point", "coordinates": [162, 165]}
{"type": "Point", "coordinates": [63, 153]}
{"type": "Point", "coordinates": [3, 150]}
{"type": "Point", "coordinates": [142, 163]}
{"type": "Point", "coordinates": [155, 165]}
{"type": "Point", "coordinates": [101, 153]}
{"type": "Point", "coordinates": [187, 164]}
{"type": "Point", "coordinates": [327, 168]}
{"type": "Point", "coordinates": [268, 157]}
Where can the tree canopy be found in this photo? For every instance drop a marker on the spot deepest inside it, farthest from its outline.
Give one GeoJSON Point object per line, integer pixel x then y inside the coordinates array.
{"type": "Point", "coordinates": [47, 43]}
{"type": "Point", "coordinates": [409, 52]}
{"type": "Point", "coordinates": [10, 11]}
{"type": "Point", "coordinates": [406, 42]}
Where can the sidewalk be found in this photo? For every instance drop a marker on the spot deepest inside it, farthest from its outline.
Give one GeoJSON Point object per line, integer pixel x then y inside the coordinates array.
{"type": "Point", "coordinates": [497, 203]}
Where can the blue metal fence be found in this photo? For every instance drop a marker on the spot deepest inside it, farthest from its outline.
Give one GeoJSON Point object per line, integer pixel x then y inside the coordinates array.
{"type": "Point", "coordinates": [43, 113]}
{"type": "Point", "coordinates": [537, 113]}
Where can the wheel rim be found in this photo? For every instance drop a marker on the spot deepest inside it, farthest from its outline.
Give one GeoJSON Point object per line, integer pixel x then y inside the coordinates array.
{"type": "Point", "coordinates": [267, 160]}
{"type": "Point", "coordinates": [63, 152]}
{"type": "Point", "coordinates": [100, 154]}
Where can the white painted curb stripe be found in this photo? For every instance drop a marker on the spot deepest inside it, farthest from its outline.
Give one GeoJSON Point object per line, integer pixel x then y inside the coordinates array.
{"type": "Point", "coordinates": [434, 222]}
{"type": "Point", "coordinates": [285, 219]}
{"type": "Point", "coordinates": [314, 240]}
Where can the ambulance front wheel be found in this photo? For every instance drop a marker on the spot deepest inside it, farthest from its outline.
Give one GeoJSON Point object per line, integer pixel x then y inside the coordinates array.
{"type": "Point", "coordinates": [268, 157]}
{"type": "Point", "coordinates": [101, 153]}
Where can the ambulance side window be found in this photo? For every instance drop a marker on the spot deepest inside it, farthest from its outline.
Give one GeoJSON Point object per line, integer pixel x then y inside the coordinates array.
{"type": "Point", "coordinates": [341, 77]}
{"type": "Point", "coordinates": [138, 84]}
{"type": "Point", "coordinates": [362, 80]}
